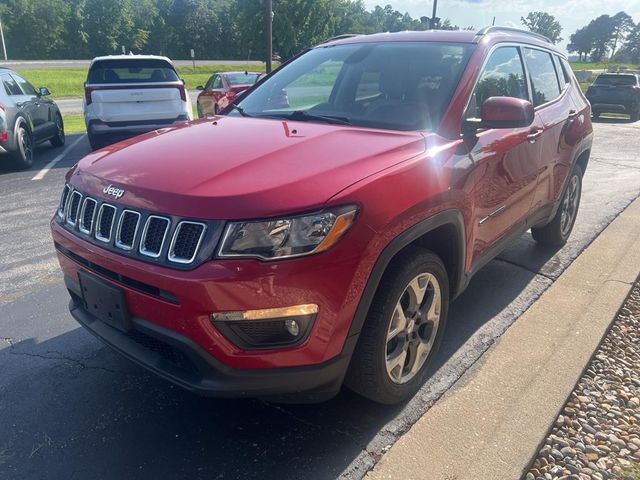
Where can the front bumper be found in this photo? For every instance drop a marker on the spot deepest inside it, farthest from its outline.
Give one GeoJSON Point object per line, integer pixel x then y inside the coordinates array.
{"type": "Point", "coordinates": [177, 305]}
{"type": "Point", "coordinates": [183, 362]}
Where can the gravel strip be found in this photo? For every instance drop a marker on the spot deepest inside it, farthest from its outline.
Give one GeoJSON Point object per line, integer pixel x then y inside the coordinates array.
{"type": "Point", "coordinates": [597, 435]}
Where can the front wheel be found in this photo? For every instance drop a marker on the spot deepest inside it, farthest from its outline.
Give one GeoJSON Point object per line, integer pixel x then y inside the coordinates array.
{"type": "Point", "coordinates": [556, 233]}
{"type": "Point", "coordinates": [403, 329]}
{"type": "Point", "coordinates": [635, 116]}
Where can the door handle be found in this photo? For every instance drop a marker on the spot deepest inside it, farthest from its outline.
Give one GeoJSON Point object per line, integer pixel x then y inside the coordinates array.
{"type": "Point", "coordinates": [573, 114]}
{"type": "Point", "coordinates": [534, 135]}
{"type": "Point", "coordinates": [19, 104]}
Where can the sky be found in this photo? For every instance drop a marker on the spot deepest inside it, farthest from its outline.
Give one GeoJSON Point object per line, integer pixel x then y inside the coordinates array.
{"type": "Point", "coordinates": [572, 14]}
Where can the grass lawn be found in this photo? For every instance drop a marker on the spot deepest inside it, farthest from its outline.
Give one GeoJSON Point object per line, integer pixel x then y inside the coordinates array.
{"type": "Point", "coordinates": [69, 82]}
{"type": "Point", "coordinates": [600, 66]}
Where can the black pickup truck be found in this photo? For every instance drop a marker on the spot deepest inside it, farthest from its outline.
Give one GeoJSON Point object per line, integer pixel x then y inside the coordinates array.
{"type": "Point", "coordinates": [615, 93]}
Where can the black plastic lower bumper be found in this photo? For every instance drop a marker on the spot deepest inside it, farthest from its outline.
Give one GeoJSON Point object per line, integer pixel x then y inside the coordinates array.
{"type": "Point", "coordinates": [183, 362]}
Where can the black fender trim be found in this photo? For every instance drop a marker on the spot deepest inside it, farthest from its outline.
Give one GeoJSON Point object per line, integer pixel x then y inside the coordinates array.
{"type": "Point", "coordinates": [446, 217]}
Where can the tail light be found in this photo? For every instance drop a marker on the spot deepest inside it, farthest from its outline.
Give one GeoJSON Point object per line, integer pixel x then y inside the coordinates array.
{"type": "Point", "coordinates": [183, 92]}
{"type": "Point", "coordinates": [3, 137]}
{"type": "Point", "coordinates": [87, 95]}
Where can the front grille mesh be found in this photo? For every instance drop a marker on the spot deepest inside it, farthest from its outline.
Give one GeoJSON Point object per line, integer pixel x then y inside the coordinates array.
{"type": "Point", "coordinates": [72, 215]}
{"type": "Point", "coordinates": [155, 232]}
{"type": "Point", "coordinates": [105, 223]}
{"type": "Point", "coordinates": [186, 241]}
{"type": "Point", "coordinates": [119, 229]}
{"type": "Point", "coordinates": [88, 210]}
{"type": "Point", "coordinates": [128, 227]}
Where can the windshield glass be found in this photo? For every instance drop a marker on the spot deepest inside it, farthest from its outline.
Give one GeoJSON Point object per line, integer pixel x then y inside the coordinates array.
{"type": "Point", "coordinates": [390, 85]}
{"type": "Point", "coordinates": [616, 80]}
{"type": "Point", "coordinates": [242, 78]}
{"type": "Point", "coordinates": [132, 71]}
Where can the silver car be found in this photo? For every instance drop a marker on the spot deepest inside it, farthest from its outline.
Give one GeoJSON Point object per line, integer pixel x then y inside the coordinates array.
{"type": "Point", "coordinates": [27, 117]}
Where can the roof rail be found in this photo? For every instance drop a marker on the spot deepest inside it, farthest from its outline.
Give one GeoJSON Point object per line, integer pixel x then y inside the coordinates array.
{"type": "Point", "coordinates": [341, 37]}
{"type": "Point", "coordinates": [487, 30]}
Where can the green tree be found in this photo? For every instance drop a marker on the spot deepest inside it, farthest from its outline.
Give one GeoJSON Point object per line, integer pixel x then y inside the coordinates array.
{"type": "Point", "coordinates": [108, 24]}
{"type": "Point", "coordinates": [544, 24]}
{"type": "Point", "coordinates": [630, 52]}
{"type": "Point", "coordinates": [45, 18]}
{"type": "Point", "coordinates": [622, 25]}
{"type": "Point", "coordinates": [581, 43]}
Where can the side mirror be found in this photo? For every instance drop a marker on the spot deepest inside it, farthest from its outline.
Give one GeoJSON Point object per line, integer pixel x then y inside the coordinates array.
{"type": "Point", "coordinates": [502, 112]}
{"type": "Point", "coordinates": [44, 92]}
{"type": "Point", "coordinates": [199, 87]}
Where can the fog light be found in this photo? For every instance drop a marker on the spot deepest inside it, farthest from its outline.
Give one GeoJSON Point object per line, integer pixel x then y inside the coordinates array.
{"type": "Point", "coordinates": [266, 328]}
{"type": "Point", "coordinates": [292, 327]}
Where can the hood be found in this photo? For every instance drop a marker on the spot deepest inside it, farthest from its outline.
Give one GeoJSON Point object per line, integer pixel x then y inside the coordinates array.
{"type": "Point", "coordinates": [240, 168]}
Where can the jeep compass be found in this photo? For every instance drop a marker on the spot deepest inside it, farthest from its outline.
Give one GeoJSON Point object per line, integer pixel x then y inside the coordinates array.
{"type": "Point", "coordinates": [314, 232]}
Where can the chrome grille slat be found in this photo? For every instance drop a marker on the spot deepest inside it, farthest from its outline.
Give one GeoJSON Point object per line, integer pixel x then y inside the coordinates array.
{"type": "Point", "coordinates": [104, 223]}
{"type": "Point", "coordinates": [139, 234]}
{"type": "Point", "coordinates": [74, 208]}
{"type": "Point", "coordinates": [63, 201]}
{"type": "Point", "coordinates": [186, 241]}
{"type": "Point", "coordinates": [127, 231]}
{"type": "Point", "coordinates": [154, 235]}
{"type": "Point", "coordinates": [87, 215]}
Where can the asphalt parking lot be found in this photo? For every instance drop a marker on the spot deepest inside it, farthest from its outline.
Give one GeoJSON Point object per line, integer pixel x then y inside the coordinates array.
{"type": "Point", "coordinates": [70, 408]}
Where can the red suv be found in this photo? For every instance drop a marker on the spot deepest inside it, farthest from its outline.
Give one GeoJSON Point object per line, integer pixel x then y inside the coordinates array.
{"type": "Point", "coordinates": [316, 230]}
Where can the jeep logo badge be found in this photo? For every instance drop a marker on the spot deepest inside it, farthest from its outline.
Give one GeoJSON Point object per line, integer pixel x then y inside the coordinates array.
{"type": "Point", "coordinates": [113, 191]}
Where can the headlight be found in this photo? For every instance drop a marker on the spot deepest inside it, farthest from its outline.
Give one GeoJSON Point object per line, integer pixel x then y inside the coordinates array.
{"type": "Point", "coordinates": [286, 237]}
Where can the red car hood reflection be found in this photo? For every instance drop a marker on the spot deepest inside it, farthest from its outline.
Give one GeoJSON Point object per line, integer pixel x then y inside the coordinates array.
{"type": "Point", "coordinates": [238, 168]}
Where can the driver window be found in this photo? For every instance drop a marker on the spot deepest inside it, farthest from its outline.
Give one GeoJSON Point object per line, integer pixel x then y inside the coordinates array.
{"type": "Point", "coordinates": [503, 76]}
{"type": "Point", "coordinates": [217, 82]}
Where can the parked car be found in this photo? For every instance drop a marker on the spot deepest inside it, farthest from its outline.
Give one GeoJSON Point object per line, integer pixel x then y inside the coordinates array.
{"type": "Point", "coordinates": [221, 89]}
{"type": "Point", "coordinates": [27, 117]}
{"type": "Point", "coordinates": [615, 93]}
{"type": "Point", "coordinates": [126, 95]}
{"type": "Point", "coordinates": [283, 250]}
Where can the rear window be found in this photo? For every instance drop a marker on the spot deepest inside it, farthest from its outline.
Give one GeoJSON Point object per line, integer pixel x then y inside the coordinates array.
{"type": "Point", "coordinates": [242, 78]}
{"type": "Point", "coordinates": [616, 80]}
{"type": "Point", "coordinates": [132, 71]}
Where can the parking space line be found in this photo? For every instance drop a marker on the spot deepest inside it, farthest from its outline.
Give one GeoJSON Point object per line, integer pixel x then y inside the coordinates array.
{"type": "Point", "coordinates": [40, 175]}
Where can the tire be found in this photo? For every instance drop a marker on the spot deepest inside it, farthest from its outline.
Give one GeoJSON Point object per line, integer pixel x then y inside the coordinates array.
{"type": "Point", "coordinates": [635, 116]}
{"type": "Point", "coordinates": [199, 111]}
{"type": "Point", "coordinates": [59, 138]}
{"type": "Point", "coordinates": [216, 109]}
{"type": "Point", "coordinates": [22, 156]}
{"type": "Point", "coordinates": [378, 369]}
{"type": "Point", "coordinates": [557, 231]}
{"type": "Point", "coordinates": [96, 141]}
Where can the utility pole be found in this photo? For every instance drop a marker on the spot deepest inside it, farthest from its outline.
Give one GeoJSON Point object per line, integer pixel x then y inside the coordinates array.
{"type": "Point", "coordinates": [435, 11]}
{"type": "Point", "coordinates": [4, 45]}
{"type": "Point", "coordinates": [268, 32]}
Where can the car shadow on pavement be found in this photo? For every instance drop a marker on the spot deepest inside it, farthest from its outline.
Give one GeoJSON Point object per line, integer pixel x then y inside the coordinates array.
{"type": "Point", "coordinates": [78, 409]}
{"type": "Point", "coordinates": [612, 120]}
{"type": "Point", "coordinates": [44, 153]}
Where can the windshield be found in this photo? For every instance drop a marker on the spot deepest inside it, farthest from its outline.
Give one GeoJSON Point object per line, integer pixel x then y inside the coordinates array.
{"type": "Point", "coordinates": [616, 80]}
{"type": "Point", "coordinates": [132, 71]}
{"type": "Point", "coordinates": [242, 78]}
{"type": "Point", "coordinates": [390, 85]}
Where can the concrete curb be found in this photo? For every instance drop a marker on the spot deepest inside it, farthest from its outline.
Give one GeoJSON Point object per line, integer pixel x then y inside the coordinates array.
{"type": "Point", "coordinates": [490, 424]}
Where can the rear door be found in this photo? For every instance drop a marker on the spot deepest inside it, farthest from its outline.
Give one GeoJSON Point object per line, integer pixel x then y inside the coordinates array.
{"type": "Point", "coordinates": [136, 89]}
{"type": "Point", "coordinates": [506, 160]}
{"type": "Point", "coordinates": [555, 108]}
{"type": "Point", "coordinates": [23, 104]}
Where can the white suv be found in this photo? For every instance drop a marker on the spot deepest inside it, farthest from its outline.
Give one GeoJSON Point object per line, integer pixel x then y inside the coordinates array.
{"type": "Point", "coordinates": [126, 95]}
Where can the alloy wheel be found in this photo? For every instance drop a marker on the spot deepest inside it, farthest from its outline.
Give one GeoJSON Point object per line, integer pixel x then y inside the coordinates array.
{"type": "Point", "coordinates": [413, 328]}
{"type": "Point", "coordinates": [570, 205]}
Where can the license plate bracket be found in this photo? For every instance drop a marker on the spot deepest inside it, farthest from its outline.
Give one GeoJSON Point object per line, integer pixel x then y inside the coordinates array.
{"type": "Point", "coordinates": [104, 301]}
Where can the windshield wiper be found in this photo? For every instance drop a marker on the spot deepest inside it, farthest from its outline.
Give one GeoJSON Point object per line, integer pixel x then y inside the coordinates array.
{"type": "Point", "coordinates": [301, 115]}
{"type": "Point", "coordinates": [240, 109]}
